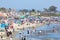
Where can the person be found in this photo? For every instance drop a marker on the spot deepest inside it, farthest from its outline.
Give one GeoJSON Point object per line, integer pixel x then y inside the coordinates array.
{"type": "Point", "coordinates": [7, 33]}
{"type": "Point", "coordinates": [10, 33]}
{"type": "Point", "coordinates": [31, 31]}
{"type": "Point", "coordinates": [1, 37]}
{"type": "Point", "coordinates": [54, 30]}
{"type": "Point", "coordinates": [0, 24]}
{"type": "Point", "coordinates": [24, 38]}
{"type": "Point", "coordinates": [34, 29]}
{"type": "Point", "coordinates": [11, 26]}
{"type": "Point", "coordinates": [11, 37]}
{"type": "Point", "coordinates": [23, 28]}
{"type": "Point", "coordinates": [27, 31]}
{"type": "Point", "coordinates": [13, 30]}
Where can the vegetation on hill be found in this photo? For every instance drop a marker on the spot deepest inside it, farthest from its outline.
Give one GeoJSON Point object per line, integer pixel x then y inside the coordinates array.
{"type": "Point", "coordinates": [51, 11]}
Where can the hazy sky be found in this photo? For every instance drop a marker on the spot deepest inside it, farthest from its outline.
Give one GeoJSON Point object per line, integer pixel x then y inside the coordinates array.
{"type": "Point", "coordinates": [29, 4]}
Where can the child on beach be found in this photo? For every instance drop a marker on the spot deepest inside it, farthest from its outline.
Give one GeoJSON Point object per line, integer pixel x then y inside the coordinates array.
{"type": "Point", "coordinates": [10, 35]}
{"type": "Point", "coordinates": [11, 38]}
{"type": "Point", "coordinates": [1, 38]}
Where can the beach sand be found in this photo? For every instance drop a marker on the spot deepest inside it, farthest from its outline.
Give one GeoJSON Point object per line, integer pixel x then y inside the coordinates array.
{"type": "Point", "coordinates": [16, 26]}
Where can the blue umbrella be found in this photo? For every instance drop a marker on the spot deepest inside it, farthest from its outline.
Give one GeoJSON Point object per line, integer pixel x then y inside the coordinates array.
{"type": "Point", "coordinates": [0, 25]}
{"type": "Point", "coordinates": [6, 24]}
{"type": "Point", "coordinates": [3, 25]}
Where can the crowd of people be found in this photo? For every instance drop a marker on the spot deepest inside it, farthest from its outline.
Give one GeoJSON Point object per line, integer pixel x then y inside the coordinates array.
{"type": "Point", "coordinates": [7, 23]}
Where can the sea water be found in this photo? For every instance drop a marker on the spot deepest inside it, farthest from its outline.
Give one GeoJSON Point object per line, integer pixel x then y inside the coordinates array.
{"type": "Point", "coordinates": [49, 36]}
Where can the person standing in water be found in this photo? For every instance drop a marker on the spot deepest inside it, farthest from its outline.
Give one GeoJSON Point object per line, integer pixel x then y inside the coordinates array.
{"type": "Point", "coordinates": [54, 30]}
{"type": "Point", "coordinates": [27, 31]}
{"type": "Point", "coordinates": [24, 38]}
{"type": "Point", "coordinates": [34, 29]}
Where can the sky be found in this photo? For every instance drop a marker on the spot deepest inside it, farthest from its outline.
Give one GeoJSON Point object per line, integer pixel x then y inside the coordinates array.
{"type": "Point", "coordinates": [29, 4]}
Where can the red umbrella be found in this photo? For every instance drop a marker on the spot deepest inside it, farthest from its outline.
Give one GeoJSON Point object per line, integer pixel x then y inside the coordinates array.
{"type": "Point", "coordinates": [2, 15]}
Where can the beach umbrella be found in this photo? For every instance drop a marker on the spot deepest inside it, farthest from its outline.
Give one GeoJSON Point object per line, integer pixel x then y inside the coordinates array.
{"type": "Point", "coordinates": [15, 20]}
{"type": "Point", "coordinates": [0, 25]}
{"type": "Point", "coordinates": [3, 25]}
{"type": "Point", "coordinates": [22, 16]}
{"type": "Point", "coordinates": [31, 19]}
{"type": "Point", "coordinates": [3, 15]}
{"type": "Point", "coordinates": [19, 22]}
{"type": "Point", "coordinates": [7, 24]}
